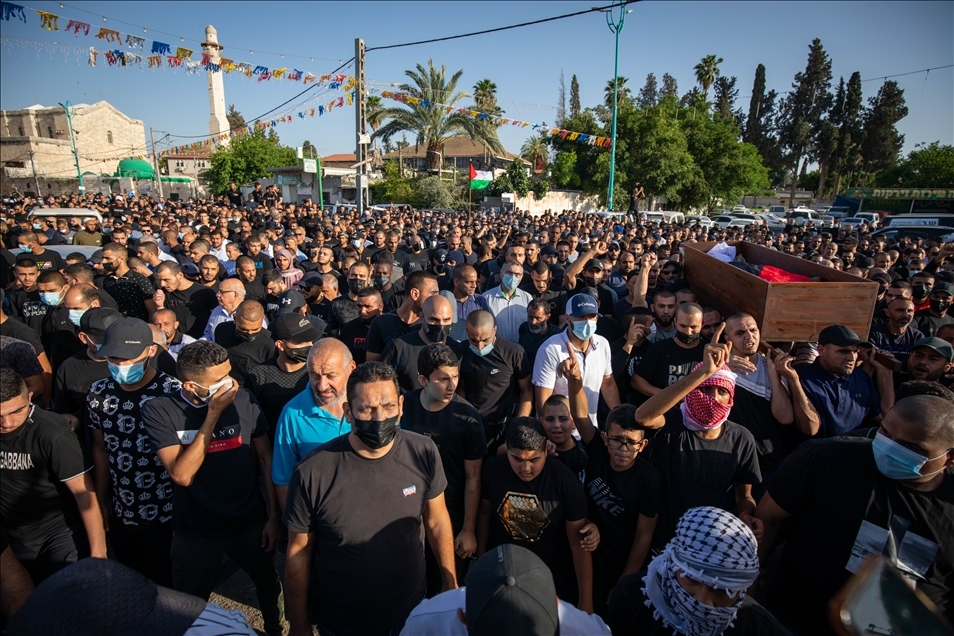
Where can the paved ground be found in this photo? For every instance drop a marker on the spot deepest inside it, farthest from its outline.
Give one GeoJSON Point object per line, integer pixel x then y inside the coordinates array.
{"type": "Point", "coordinates": [236, 591]}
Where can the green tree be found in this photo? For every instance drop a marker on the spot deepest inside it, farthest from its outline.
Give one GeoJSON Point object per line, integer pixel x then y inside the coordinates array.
{"type": "Point", "coordinates": [436, 193]}
{"type": "Point", "coordinates": [485, 95]}
{"type": "Point", "coordinates": [882, 142]}
{"type": "Point", "coordinates": [574, 164]}
{"type": "Point", "coordinates": [308, 149]}
{"type": "Point", "coordinates": [927, 166]}
{"type": "Point", "coordinates": [725, 95]}
{"type": "Point", "coordinates": [624, 94]}
{"type": "Point", "coordinates": [395, 187]}
{"type": "Point", "coordinates": [670, 86]}
{"type": "Point", "coordinates": [563, 171]}
{"type": "Point", "coordinates": [514, 179]}
{"type": "Point", "coordinates": [760, 129]}
{"type": "Point", "coordinates": [235, 119]}
{"type": "Point", "coordinates": [246, 158]}
{"type": "Point", "coordinates": [649, 93]}
{"type": "Point", "coordinates": [803, 109]}
{"type": "Point", "coordinates": [561, 101]}
{"type": "Point", "coordinates": [431, 127]}
{"type": "Point", "coordinates": [534, 148]}
{"type": "Point", "coordinates": [574, 97]}
{"type": "Point", "coordinates": [850, 131]}
{"type": "Point", "coordinates": [707, 70]}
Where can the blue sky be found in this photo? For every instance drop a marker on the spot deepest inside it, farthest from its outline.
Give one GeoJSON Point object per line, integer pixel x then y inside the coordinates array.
{"type": "Point", "coordinates": [875, 38]}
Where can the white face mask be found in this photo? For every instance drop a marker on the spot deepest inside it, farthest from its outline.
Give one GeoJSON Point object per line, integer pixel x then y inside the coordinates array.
{"type": "Point", "coordinates": [213, 389]}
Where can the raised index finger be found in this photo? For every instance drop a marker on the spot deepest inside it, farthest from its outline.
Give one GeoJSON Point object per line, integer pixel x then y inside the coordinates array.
{"type": "Point", "coordinates": [718, 333]}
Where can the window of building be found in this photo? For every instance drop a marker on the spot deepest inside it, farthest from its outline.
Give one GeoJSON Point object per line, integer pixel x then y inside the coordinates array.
{"type": "Point", "coordinates": [109, 136]}
{"type": "Point", "coordinates": [20, 130]}
{"type": "Point", "coordinates": [38, 133]}
{"type": "Point", "coordinates": [49, 129]}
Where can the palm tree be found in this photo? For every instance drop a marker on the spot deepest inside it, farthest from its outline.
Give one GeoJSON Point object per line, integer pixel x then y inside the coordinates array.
{"type": "Point", "coordinates": [623, 96]}
{"type": "Point", "coordinates": [485, 94]}
{"type": "Point", "coordinates": [535, 149]}
{"type": "Point", "coordinates": [374, 112]}
{"type": "Point", "coordinates": [707, 70]}
{"type": "Point", "coordinates": [432, 126]}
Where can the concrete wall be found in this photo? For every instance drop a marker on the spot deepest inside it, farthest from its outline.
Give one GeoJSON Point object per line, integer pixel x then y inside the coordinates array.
{"type": "Point", "coordinates": [557, 201]}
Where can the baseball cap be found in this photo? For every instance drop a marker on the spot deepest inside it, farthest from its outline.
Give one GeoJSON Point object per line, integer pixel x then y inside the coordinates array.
{"type": "Point", "coordinates": [839, 335]}
{"type": "Point", "coordinates": [510, 591]}
{"type": "Point", "coordinates": [456, 256]}
{"type": "Point", "coordinates": [593, 264]}
{"type": "Point", "coordinates": [882, 277]}
{"type": "Point", "coordinates": [942, 347]}
{"type": "Point", "coordinates": [102, 596]}
{"type": "Point", "coordinates": [582, 305]}
{"type": "Point", "coordinates": [96, 320]}
{"type": "Point", "coordinates": [310, 280]}
{"type": "Point", "coordinates": [440, 256]}
{"type": "Point", "coordinates": [96, 257]}
{"type": "Point", "coordinates": [125, 338]}
{"type": "Point", "coordinates": [547, 250]}
{"type": "Point", "coordinates": [294, 327]}
{"type": "Point", "coordinates": [945, 288]}
{"type": "Point", "coordinates": [290, 301]}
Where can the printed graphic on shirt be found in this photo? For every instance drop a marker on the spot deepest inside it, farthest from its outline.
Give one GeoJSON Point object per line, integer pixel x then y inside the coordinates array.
{"type": "Point", "coordinates": [910, 553]}
{"type": "Point", "coordinates": [522, 516]}
{"type": "Point", "coordinates": [679, 371]}
{"type": "Point", "coordinates": [604, 497]}
{"type": "Point", "coordinates": [223, 439]}
{"type": "Point", "coordinates": [33, 309]}
{"type": "Point", "coordinates": [15, 461]}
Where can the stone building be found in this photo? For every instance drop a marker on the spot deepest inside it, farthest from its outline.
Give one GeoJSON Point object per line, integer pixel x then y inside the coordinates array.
{"type": "Point", "coordinates": [35, 146]}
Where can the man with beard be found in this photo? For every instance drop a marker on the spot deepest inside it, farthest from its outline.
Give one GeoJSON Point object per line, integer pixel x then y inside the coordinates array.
{"type": "Point", "coordinates": [355, 333]}
{"type": "Point", "coordinates": [930, 360]}
{"type": "Point", "coordinates": [402, 352]}
{"type": "Point", "coordinates": [344, 308]}
{"type": "Point", "coordinates": [670, 360]}
{"type": "Point", "coordinates": [845, 395]}
{"type": "Point", "coordinates": [538, 328]}
{"type": "Point", "coordinates": [168, 324]}
{"type": "Point", "coordinates": [711, 319]}
{"type": "Point", "coordinates": [246, 273]}
{"type": "Point", "coordinates": [937, 314]}
{"type": "Point", "coordinates": [897, 335]}
{"type": "Point", "coordinates": [381, 277]}
{"type": "Point", "coordinates": [191, 302]}
{"type": "Point", "coordinates": [464, 279]}
{"type": "Point", "coordinates": [386, 327]}
{"type": "Point", "coordinates": [133, 292]}
{"type": "Point", "coordinates": [539, 288]}
{"type": "Point", "coordinates": [664, 312]}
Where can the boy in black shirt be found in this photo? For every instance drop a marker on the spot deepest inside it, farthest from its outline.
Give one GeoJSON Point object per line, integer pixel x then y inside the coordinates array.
{"type": "Point", "coordinates": [556, 420]}
{"type": "Point", "coordinates": [538, 504]}
{"type": "Point", "coordinates": [436, 411]}
{"type": "Point", "coordinates": [622, 488]}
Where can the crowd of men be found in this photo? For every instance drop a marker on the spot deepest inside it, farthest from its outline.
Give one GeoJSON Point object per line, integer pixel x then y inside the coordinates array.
{"type": "Point", "coordinates": [537, 409]}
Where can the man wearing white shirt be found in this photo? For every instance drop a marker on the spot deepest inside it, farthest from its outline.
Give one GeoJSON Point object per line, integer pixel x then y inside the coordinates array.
{"type": "Point", "coordinates": [507, 302]}
{"type": "Point", "coordinates": [231, 294]}
{"type": "Point", "coordinates": [594, 354]}
{"type": "Point", "coordinates": [217, 246]}
{"type": "Point", "coordinates": [509, 591]}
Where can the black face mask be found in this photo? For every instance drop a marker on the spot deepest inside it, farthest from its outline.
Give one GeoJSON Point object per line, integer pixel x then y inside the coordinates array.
{"type": "Point", "coordinates": [438, 269]}
{"type": "Point", "coordinates": [375, 434]}
{"type": "Point", "coordinates": [920, 291]}
{"type": "Point", "coordinates": [882, 289]}
{"type": "Point", "coordinates": [437, 333]}
{"type": "Point", "coordinates": [940, 306]}
{"type": "Point", "coordinates": [109, 267]}
{"type": "Point", "coordinates": [591, 281]}
{"type": "Point", "coordinates": [297, 354]}
{"type": "Point", "coordinates": [355, 285]}
{"type": "Point", "coordinates": [245, 336]}
{"type": "Point", "coordinates": [688, 338]}
{"type": "Point", "coordinates": [380, 282]}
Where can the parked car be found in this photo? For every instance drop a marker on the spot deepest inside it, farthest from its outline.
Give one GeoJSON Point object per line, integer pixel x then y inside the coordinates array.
{"type": "Point", "coordinates": [772, 222]}
{"type": "Point", "coordinates": [743, 223]}
{"type": "Point", "coordinates": [940, 233]}
{"type": "Point", "coordinates": [740, 208]}
{"type": "Point", "coordinates": [871, 217]}
{"type": "Point", "coordinates": [723, 220]}
{"type": "Point", "coordinates": [802, 217]}
{"type": "Point", "coordinates": [840, 212]}
{"type": "Point", "coordinates": [701, 219]}
{"type": "Point", "coordinates": [777, 210]}
{"type": "Point", "coordinates": [852, 224]}
{"type": "Point", "coordinates": [827, 221]}
{"type": "Point", "coordinates": [749, 216]}
{"type": "Point", "coordinates": [823, 209]}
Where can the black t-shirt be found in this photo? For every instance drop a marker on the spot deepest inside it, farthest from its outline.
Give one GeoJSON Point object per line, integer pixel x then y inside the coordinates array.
{"type": "Point", "coordinates": [615, 500]}
{"type": "Point", "coordinates": [492, 380]}
{"type": "Point", "coordinates": [141, 487]}
{"type": "Point", "coordinates": [35, 460]}
{"type": "Point", "coordinates": [255, 291]}
{"type": "Point", "coordinates": [624, 367]}
{"type": "Point", "coordinates": [629, 614]}
{"type": "Point", "coordinates": [367, 520]}
{"type": "Point", "coordinates": [699, 472]}
{"type": "Point", "coordinates": [402, 355]}
{"type": "Point", "coordinates": [398, 258]}
{"type": "Point", "coordinates": [929, 324]}
{"type": "Point", "coordinates": [754, 412]}
{"type": "Point", "coordinates": [192, 307]}
{"type": "Point", "coordinates": [72, 382]}
{"type": "Point", "coordinates": [384, 329]}
{"type": "Point", "coordinates": [274, 387]}
{"type": "Point", "coordinates": [28, 306]}
{"type": "Point", "coordinates": [244, 355]}
{"type": "Point", "coordinates": [355, 334]}
{"type": "Point", "coordinates": [459, 435]}
{"type": "Point", "coordinates": [224, 498]}
{"type": "Point", "coordinates": [46, 260]}
{"type": "Point", "coordinates": [532, 514]}
{"type": "Point", "coordinates": [343, 310]}
{"type": "Point", "coordinates": [531, 342]}
{"type": "Point", "coordinates": [13, 328]}
{"type": "Point", "coordinates": [843, 509]}
{"type": "Point", "coordinates": [130, 291]}
{"type": "Point", "coordinates": [58, 335]}
{"type": "Point", "coordinates": [262, 264]}
{"type": "Point", "coordinates": [665, 362]}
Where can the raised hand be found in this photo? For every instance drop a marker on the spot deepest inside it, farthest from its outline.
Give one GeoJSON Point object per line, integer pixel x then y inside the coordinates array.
{"type": "Point", "coordinates": [716, 355]}
{"type": "Point", "coordinates": [159, 298]}
{"type": "Point", "coordinates": [570, 368]}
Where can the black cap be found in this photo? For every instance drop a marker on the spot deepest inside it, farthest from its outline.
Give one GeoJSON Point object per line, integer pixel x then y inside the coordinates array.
{"type": "Point", "coordinates": [944, 288]}
{"type": "Point", "coordinates": [510, 591]}
{"type": "Point", "coordinates": [839, 335]}
{"type": "Point", "coordinates": [310, 280]}
{"type": "Point", "coordinates": [290, 301]}
{"type": "Point", "coordinates": [593, 264]}
{"type": "Point", "coordinates": [96, 257]}
{"type": "Point", "coordinates": [96, 320]}
{"type": "Point", "coordinates": [126, 339]}
{"type": "Point", "coordinates": [440, 256]}
{"type": "Point", "coordinates": [294, 327]}
{"type": "Point", "coordinates": [547, 250]}
{"type": "Point", "coordinates": [102, 596]}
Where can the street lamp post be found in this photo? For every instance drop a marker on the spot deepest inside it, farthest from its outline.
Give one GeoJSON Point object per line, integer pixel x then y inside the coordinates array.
{"type": "Point", "coordinates": [67, 108]}
{"type": "Point", "coordinates": [615, 25]}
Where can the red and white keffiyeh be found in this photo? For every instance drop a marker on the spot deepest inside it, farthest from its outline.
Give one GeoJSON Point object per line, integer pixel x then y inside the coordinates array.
{"type": "Point", "coordinates": [701, 412]}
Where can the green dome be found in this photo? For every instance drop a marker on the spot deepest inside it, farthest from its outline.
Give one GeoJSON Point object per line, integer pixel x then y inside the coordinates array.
{"type": "Point", "coordinates": [135, 168]}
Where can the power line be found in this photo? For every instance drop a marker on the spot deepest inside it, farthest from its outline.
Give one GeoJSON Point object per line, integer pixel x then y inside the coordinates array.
{"type": "Point", "coordinates": [505, 28]}
{"type": "Point", "coordinates": [923, 70]}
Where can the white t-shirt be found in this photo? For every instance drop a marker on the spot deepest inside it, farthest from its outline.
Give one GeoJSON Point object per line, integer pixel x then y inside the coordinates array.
{"type": "Point", "coordinates": [596, 365]}
{"type": "Point", "coordinates": [438, 617]}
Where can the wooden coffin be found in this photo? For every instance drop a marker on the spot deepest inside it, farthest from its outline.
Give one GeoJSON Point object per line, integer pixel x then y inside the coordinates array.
{"type": "Point", "coordinates": [785, 312]}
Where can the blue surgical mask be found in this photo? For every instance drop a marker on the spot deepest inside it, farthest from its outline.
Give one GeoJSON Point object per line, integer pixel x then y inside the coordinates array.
{"type": "Point", "coordinates": [25, 249]}
{"type": "Point", "coordinates": [482, 352]}
{"type": "Point", "coordinates": [37, 226]}
{"type": "Point", "coordinates": [899, 462]}
{"type": "Point", "coordinates": [76, 315]}
{"type": "Point", "coordinates": [127, 374]}
{"type": "Point", "coordinates": [510, 281]}
{"type": "Point", "coordinates": [51, 299]}
{"type": "Point", "coordinates": [584, 329]}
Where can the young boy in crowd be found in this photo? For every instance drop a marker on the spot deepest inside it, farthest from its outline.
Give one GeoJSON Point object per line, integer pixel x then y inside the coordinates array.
{"type": "Point", "coordinates": [556, 420]}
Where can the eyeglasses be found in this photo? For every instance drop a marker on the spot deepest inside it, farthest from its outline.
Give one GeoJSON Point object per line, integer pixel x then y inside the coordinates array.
{"type": "Point", "coordinates": [617, 443]}
{"type": "Point", "coordinates": [670, 272]}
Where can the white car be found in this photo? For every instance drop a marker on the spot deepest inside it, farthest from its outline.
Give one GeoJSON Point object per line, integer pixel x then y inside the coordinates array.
{"type": "Point", "coordinates": [872, 218]}
{"type": "Point", "coordinates": [803, 208]}
{"type": "Point", "coordinates": [702, 220]}
{"type": "Point", "coordinates": [852, 223]}
{"type": "Point", "coordinates": [743, 223]}
{"type": "Point", "coordinates": [772, 222]}
{"type": "Point", "coordinates": [827, 221]}
{"type": "Point", "coordinates": [740, 208]}
{"type": "Point", "coordinates": [723, 220]}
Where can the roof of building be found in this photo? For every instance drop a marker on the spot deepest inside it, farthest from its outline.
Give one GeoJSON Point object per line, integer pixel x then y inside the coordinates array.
{"type": "Point", "coordinates": [339, 158]}
{"type": "Point", "coordinates": [459, 146]}
{"type": "Point", "coordinates": [205, 153]}
{"type": "Point", "coordinates": [79, 108]}
{"type": "Point", "coordinates": [135, 168]}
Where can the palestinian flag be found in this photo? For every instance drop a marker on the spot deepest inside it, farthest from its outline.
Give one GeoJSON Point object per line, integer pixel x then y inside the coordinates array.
{"type": "Point", "coordinates": [480, 179]}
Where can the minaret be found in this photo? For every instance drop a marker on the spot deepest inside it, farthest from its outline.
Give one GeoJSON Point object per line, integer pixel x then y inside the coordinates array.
{"type": "Point", "coordinates": [218, 123]}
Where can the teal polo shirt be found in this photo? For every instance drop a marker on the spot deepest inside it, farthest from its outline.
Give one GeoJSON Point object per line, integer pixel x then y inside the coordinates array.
{"type": "Point", "coordinates": [302, 427]}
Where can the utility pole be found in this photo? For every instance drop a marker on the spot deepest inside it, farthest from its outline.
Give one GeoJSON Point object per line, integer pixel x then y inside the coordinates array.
{"type": "Point", "coordinates": [155, 162]}
{"type": "Point", "coordinates": [361, 125]}
{"type": "Point", "coordinates": [36, 181]}
{"type": "Point", "coordinates": [615, 26]}
{"type": "Point", "coordinates": [68, 109]}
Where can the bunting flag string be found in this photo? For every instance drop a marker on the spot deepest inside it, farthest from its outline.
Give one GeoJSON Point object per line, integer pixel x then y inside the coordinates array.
{"type": "Point", "coordinates": [592, 140]}
{"type": "Point", "coordinates": [161, 53]}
